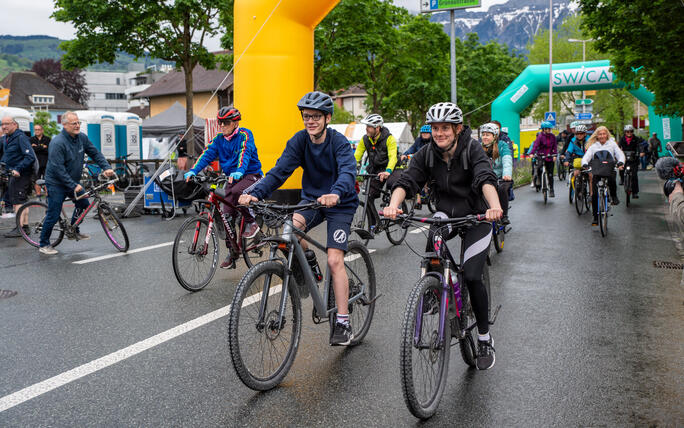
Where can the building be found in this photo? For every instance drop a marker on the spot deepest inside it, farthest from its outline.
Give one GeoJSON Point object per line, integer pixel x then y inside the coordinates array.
{"type": "Point", "coordinates": [116, 91]}
{"type": "Point", "coordinates": [163, 93]}
{"type": "Point", "coordinates": [353, 100]}
{"type": "Point", "coordinates": [33, 93]}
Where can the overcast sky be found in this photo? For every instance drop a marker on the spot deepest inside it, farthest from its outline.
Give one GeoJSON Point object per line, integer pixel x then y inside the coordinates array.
{"type": "Point", "coordinates": [30, 17]}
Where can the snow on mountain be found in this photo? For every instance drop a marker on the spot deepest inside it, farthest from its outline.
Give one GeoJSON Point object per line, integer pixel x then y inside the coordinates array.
{"type": "Point", "coordinates": [513, 23]}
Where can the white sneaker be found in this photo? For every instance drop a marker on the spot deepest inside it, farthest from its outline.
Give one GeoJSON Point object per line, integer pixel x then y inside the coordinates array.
{"type": "Point", "coordinates": [532, 184]}
{"type": "Point", "coordinates": [48, 250]}
{"type": "Point", "coordinates": [8, 215]}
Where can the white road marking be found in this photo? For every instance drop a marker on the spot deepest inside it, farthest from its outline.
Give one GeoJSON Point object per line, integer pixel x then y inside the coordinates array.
{"type": "Point", "coordinates": [40, 388]}
{"type": "Point", "coordinates": [419, 230]}
{"type": "Point", "coordinates": [111, 256]}
{"type": "Point", "coordinates": [356, 256]}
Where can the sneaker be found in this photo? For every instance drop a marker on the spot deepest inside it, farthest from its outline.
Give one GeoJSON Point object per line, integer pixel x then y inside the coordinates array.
{"type": "Point", "coordinates": [228, 263]}
{"type": "Point", "coordinates": [342, 335]}
{"type": "Point", "coordinates": [551, 194]}
{"type": "Point", "coordinates": [594, 222]}
{"type": "Point", "coordinates": [251, 229]}
{"type": "Point", "coordinates": [14, 233]}
{"type": "Point", "coordinates": [614, 200]}
{"type": "Point", "coordinates": [635, 196]}
{"type": "Point", "coordinates": [485, 354]}
{"type": "Point", "coordinates": [78, 236]}
{"type": "Point", "coordinates": [8, 215]}
{"type": "Point", "coordinates": [47, 250]}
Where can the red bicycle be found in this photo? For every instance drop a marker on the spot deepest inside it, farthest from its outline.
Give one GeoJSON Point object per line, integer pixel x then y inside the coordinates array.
{"type": "Point", "coordinates": [196, 249]}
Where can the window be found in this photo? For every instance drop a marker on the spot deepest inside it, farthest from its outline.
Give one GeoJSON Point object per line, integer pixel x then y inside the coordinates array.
{"type": "Point", "coordinates": [112, 96]}
{"type": "Point", "coordinates": [43, 99]}
{"type": "Point", "coordinates": [118, 81]}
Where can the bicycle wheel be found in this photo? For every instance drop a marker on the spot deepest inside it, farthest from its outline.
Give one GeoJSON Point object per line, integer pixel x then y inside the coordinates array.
{"type": "Point", "coordinates": [431, 202]}
{"type": "Point", "coordinates": [124, 181]}
{"type": "Point", "coordinates": [263, 348]}
{"type": "Point", "coordinates": [360, 274]}
{"type": "Point", "coordinates": [36, 216]}
{"type": "Point", "coordinates": [361, 221]}
{"type": "Point", "coordinates": [468, 323]}
{"type": "Point", "coordinates": [571, 190]}
{"type": "Point", "coordinates": [113, 228]}
{"type": "Point", "coordinates": [423, 360]}
{"type": "Point", "coordinates": [603, 214]}
{"type": "Point", "coordinates": [498, 236]}
{"type": "Point", "coordinates": [579, 197]}
{"type": "Point", "coordinates": [561, 171]}
{"type": "Point", "coordinates": [195, 255]}
{"type": "Point", "coordinates": [545, 186]}
{"type": "Point", "coordinates": [628, 188]}
{"type": "Point", "coordinates": [256, 250]}
{"type": "Point", "coordinates": [395, 232]}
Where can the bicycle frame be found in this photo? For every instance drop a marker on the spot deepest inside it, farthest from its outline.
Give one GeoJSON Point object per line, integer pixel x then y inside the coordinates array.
{"type": "Point", "coordinates": [215, 201]}
{"type": "Point", "coordinates": [289, 241]}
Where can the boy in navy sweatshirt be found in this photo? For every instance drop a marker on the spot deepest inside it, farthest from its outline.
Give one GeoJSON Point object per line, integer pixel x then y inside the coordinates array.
{"type": "Point", "coordinates": [329, 167]}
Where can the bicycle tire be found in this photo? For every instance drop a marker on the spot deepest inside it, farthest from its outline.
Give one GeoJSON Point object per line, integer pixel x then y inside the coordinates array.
{"type": "Point", "coordinates": [361, 221]}
{"type": "Point", "coordinates": [628, 188]}
{"type": "Point", "coordinates": [124, 181]}
{"type": "Point", "coordinates": [423, 403]}
{"type": "Point", "coordinates": [579, 198]}
{"type": "Point", "coordinates": [603, 215]}
{"type": "Point", "coordinates": [431, 202]}
{"type": "Point", "coordinates": [196, 225]}
{"type": "Point", "coordinates": [395, 232]}
{"type": "Point", "coordinates": [498, 236]}
{"type": "Point", "coordinates": [361, 311]}
{"type": "Point", "coordinates": [468, 343]}
{"type": "Point", "coordinates": [561, 171]}
{"type": "Point", "coordinates": [111, 224]}
{"type": "Point", "coordinates": [243, 307]}
{"type": "Point", "coordinates": [255, 249]}
{"type": "Point", "coordinates": [545, 186]}
{"type": "Point", "coordinates": [36, 215]}
{"type": "Point", "coordinates": [571, 191]}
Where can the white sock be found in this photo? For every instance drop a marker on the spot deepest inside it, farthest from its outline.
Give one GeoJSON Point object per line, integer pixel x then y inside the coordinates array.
{"type": "Point", "coordinates": [483, 337]}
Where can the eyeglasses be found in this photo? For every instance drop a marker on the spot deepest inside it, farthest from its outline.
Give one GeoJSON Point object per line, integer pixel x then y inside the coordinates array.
{"type": "Point", "coordinates": [315, 117]}
{"type": "Point", "coordinates": [73, 123]}
{"type": "Point", "coordinates": [224, 122]}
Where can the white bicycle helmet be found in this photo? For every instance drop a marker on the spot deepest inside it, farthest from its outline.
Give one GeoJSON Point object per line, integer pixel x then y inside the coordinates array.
{"type": "Point", "coordinates": [444, 113]}
{"type": "Point", "coordinates": [374, 120]}
{"type": "Point", "coordinates": [491, 128]}
{"type": "Point", "coordinates": [628, 128]}
{"type": "Point", "coordinates": [580, 128]}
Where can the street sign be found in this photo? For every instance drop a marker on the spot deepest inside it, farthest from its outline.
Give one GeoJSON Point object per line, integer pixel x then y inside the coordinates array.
{"type": "Point", "coordinates": [550, 116]}
{"type": "Point", "coordinates": [584, 109]}
{"type": "Point", "coordinates": [584, 116]}
{"type": "Point", "coordinates": [428, 6]}
{"type": "Point", "coordinates": [584, 102]}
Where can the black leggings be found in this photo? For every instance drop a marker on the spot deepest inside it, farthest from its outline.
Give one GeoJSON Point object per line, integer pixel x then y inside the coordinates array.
{"type": "Point", "coordinates": [503, 189]}
{"type": "Point", "coordinates": [475, 249]}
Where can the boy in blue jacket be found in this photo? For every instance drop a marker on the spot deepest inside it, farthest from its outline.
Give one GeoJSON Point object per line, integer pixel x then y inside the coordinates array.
{"type": "Point", "coordinates": [237, 154]}
{"type": "Point", "coordinates": [329, 167]}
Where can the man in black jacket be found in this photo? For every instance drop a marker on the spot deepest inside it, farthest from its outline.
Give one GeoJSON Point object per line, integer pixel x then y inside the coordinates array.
{"type": "Point", "coordinates": [17, 154]}
{"type": "Point", "coordinates": [40, 142]}
{"type": "Point", "coordinates": [632, 143]}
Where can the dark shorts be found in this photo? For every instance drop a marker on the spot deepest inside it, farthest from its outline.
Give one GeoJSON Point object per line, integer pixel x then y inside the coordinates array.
{"type": "Point", "coordinates": [339, 223]}
{"type": "Point", "coordinates": [19, 189]}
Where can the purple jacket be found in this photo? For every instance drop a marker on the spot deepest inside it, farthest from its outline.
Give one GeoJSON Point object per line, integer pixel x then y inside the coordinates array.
{"type": "Point", "coordinates": [545, 144]}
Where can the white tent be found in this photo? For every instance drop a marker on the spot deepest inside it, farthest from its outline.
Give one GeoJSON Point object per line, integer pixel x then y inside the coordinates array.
{"type": "Point", "coordinates": [355, 131]}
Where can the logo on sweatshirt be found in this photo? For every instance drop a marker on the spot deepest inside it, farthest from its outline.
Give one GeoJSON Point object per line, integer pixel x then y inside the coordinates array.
{"type": "Point", "coordinates": [340, 236]}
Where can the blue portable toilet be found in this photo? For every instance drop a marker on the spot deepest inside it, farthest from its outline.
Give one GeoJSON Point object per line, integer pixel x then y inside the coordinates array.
{"type": "Point", "coordinates": [90, 125]}
{"type": "Point", "coordinates": [128, 134]}
{"type": "Point", "coordinates": [108, 136]}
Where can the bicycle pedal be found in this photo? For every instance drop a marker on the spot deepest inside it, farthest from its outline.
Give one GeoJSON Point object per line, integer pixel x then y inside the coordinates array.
{"type": "Point", "coordinates": [496, 314]}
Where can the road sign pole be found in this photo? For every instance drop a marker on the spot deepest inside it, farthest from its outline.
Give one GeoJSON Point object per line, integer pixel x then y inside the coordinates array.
{"type": "Point", "coordinates": [550, 55]}
{"type": "Point", "coordinates": [453, 58]}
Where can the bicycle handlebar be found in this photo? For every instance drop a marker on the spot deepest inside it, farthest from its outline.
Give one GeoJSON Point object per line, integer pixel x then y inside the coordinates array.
{"type": "Point", "coordinates": [282, 207]}
{"type": "Point", "coordinates": [95, 189]}
{"type": "Point", "coordinates": [469, 219]}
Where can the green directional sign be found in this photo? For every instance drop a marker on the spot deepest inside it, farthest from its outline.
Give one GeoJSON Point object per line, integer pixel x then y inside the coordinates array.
{"type": "Point", "coordinates": [584, 102]}
{"type": "Point", "coordinates": [427, 6]}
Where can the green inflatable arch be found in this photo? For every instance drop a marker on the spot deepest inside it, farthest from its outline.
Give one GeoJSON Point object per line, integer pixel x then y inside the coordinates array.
{"type": "Point", "coordinates": [572, 76]}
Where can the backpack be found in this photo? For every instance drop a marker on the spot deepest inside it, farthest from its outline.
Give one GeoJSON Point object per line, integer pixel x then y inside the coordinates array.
{"type": "Point", "coordinates": [602, 164]}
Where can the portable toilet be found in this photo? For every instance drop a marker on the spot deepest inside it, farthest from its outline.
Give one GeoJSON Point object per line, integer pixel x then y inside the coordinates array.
{"type": "Point", "coordinates": [128, 134]}
{"type": "Point", "coordinates": [21, 116]}
{"type": "Point", "coordinates": [90, 125]}
{"type": "Point", "coordinates": [108, 136]}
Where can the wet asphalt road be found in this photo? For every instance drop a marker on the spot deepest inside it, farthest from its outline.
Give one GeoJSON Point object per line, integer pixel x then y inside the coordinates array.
{"type": "Point", "coordinates": [589, 334]}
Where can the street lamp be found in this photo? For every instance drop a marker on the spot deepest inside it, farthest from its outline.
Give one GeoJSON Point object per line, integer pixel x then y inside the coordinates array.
{"type": "Point", "coordinates": [584, 55]}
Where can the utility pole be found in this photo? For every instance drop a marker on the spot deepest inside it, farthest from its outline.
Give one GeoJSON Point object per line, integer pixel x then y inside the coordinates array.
{"type": "Point", "coordinates": [453, 58]}
{"type": "Point", "coordinates": [550, 55]}
{"type": "Point", "coordinates": [584, 59]}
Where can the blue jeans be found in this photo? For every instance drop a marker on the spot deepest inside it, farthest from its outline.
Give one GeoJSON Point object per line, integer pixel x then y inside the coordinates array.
{"type": "Point", "coordinates": [55, 199]}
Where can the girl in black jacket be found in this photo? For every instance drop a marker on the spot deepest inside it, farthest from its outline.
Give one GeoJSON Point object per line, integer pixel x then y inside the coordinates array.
{"type": "Point", "coordinates": [464, 182]}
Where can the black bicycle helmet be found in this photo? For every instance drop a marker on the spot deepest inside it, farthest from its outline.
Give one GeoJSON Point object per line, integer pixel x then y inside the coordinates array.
{"type": "Point", "coordinates": [228, 113]}
{"type": "Point", "coordinates": [317, 101]}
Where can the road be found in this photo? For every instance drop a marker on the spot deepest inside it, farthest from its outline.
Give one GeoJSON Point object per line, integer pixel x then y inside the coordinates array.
{"type": "Point", "coordinates": [588, 334]}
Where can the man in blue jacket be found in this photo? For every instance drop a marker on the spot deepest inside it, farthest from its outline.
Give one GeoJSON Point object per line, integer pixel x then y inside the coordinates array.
{"type": "Point", "coordinates": [329, 167]}
{"type": "Point", "coordinates": [63, 173]}
{"type": "Point", "coordinates": [18, 155]}
{"type": "Point", "coordinates": [238, 157]}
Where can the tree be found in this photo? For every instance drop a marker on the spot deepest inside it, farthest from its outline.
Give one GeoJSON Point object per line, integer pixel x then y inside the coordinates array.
{"type": "Point", "coordinates": [340, 115]}
{"type": "Point", "coordinates": [170, 30]}
{"type": "Point", "coordinates": [616, 108]}
{"type": "Point", "coordinates": [644, 41]}
{"type": "Point", "coordinates": [71, 83]}
{"type": "Point", "coordinates": [49, 126]}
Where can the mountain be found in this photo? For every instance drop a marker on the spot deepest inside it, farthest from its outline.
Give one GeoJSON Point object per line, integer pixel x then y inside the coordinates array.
{"type": "Point", "coordinates": [18, 53]}
{"type": "Point", "coordinates": [513, 23]}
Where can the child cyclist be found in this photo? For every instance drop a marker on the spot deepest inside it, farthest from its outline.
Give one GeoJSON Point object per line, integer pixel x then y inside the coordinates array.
{"type": "Point", "coordinates": [234, 146]}
{"type": "Point", "coordinates": [499, 152]}
{"type": "Point", "coordinates": [329, 167]}
{"type": "Point", "coordinates": [465, 184]}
